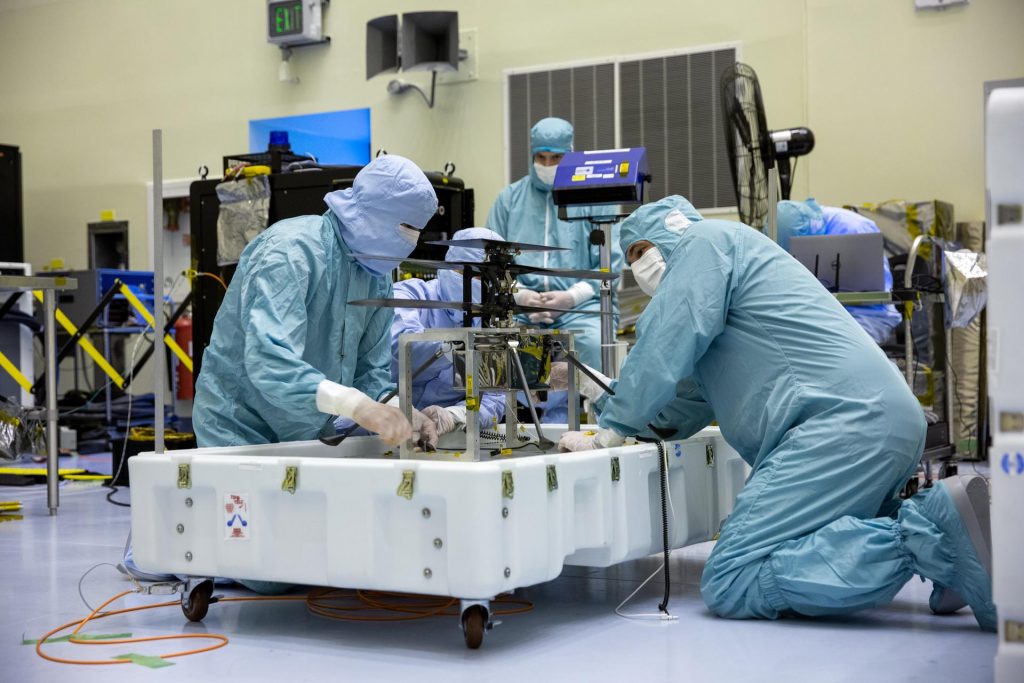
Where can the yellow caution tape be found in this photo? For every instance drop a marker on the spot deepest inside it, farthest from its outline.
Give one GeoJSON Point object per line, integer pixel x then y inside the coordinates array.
{"type": "Point", "coordinates": [149, 434]}
{"type": "Point", "coordinates": [14, 372]}
{"type": "Point", "coordinates": [87, 477]}
{"type": "Point", "coordinates": [168, 339]}
{"type": "Point", "coordinates": [37, 471]}
{"type": "Point", "coordinates": [86, 345]}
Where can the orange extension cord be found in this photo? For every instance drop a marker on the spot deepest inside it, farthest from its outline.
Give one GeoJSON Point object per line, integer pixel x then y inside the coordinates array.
{"type": "Point", "coordinates": [322, 601]}
{"type": "Point", "coordinates": [215, 277]}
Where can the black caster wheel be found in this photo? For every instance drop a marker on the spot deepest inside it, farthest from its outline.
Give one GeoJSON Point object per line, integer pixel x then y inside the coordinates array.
{"type": "Point", "coordinates": [474, 623]}
{"type": "Point", "coordinates": [197, 603]}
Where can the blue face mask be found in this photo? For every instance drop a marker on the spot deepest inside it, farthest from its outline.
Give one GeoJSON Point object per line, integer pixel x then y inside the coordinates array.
{"type": "Point", "coordinates": [399, 244]}
{"type": "Point", "coordinates": [378, 213]}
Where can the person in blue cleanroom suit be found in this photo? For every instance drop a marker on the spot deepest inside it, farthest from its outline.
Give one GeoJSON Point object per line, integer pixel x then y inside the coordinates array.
{"type": "Point", "coordinates": [287, 349]}
{"type": "Point", "coordinates": [526, 212]}
{"type": "Point", "coordinates": [797, 219]}
{"type": "Point", "coordinates": [740, 332]}
{"type": "Point", "coordinates": [432, 391]}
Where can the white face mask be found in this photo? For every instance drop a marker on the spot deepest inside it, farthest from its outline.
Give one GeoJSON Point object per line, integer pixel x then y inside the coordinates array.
{"type": "Point", "coordinates": [409, 233]}
{"type": "Point", "coordinates": [546, 174]}
{"type": "Point", "coordinates": [648, 270]}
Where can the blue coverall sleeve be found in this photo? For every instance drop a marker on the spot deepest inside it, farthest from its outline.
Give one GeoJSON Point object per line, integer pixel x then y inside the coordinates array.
{"type": "Point", "coordinates": [686, 314]}
{"type": "Point", "coordinates": [618, 263]}
{"type": "Point", "coordinates": [492, 408]}
{"type": "Point", "coordinates": [407, 320]}
{"type": "Point", "coordinates": [594, 263]}
{"type": "Point", "coordinates": [373, 367]}
{"type": "Point", "coordinates": [497, 218]}
{"type": "Point", "coordinates": [687, 413]}
{"type": "Point", "coordinates": [273, 308]}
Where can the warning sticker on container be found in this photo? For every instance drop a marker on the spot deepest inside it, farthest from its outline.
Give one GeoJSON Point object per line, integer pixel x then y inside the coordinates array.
{"type": "Point", "coordinates": [236, 516]}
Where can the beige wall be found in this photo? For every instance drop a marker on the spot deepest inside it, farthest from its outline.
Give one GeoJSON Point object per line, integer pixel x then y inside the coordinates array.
{"type": "Point", "coordinates": [893, 95]}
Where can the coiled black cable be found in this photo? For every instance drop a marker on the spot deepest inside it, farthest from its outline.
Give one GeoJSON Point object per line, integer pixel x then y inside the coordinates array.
{"type": "Point", "coordinates": [110, 496]}
{"type": "Point", "coordinates": [663, 471]}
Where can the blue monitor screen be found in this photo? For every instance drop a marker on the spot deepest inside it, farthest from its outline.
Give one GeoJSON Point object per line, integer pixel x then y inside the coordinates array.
{"type": "Point", "coordinates": [333, 137]}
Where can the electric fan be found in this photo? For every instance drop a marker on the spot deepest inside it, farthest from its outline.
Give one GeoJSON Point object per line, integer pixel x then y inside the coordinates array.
{"type": "Point", "coordinates": [753, 149]}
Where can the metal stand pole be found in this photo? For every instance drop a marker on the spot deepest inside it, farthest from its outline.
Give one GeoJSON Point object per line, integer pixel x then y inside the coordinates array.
{"type": "Point", "coordinates": [608, 366]}
{"type": "Point", "coordinates": [773, 202]}
{"type": "Point", "coordinates": [948, 376]}
{"type": "Point", "coordinates": [50, 350]}
{"type": "Point", "coordinates": [159, 352]}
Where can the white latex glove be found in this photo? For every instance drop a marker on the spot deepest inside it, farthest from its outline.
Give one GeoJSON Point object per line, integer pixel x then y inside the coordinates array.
{"type": "Point", "coordinates": [336, 399]}
{"type": "Point", "coordinates": [589, 441]}
{"type": "Point", "coordinates": [527, 297]}
{"type": "Point", "coordinates": [558, 299]}
{"type": "Point", "coordinates": [424, 430]}
{"type": "Point", "coordinates": [542, 318]}
{"type": "Point", "coordinates": [445, 419]}
{"type": "Point", "coordinates": [559, 381]}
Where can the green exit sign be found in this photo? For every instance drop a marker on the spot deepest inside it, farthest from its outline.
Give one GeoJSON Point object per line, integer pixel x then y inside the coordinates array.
{"type": "Point", "coordinates": [285, 18]}
{"type": "Point", "coordinates": [293, 23]}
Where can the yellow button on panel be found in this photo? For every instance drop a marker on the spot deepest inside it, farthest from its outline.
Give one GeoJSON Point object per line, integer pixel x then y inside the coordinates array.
{"type": "Point", "coordinates": [624, 168]}
{"type": "Point", "coordinates": [578, 178]}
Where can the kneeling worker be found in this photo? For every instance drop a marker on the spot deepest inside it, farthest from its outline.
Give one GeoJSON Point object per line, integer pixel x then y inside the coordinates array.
{"type": "Point", "coordinates": [739, 331]}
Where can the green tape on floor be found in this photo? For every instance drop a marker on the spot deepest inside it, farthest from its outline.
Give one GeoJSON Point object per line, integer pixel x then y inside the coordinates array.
{"type": "Point", "coordinates": [102, 636]}
{"type": "Point", "coordinates": [80, 636]}
{"type": "Point", "coordinates": [146, 660]}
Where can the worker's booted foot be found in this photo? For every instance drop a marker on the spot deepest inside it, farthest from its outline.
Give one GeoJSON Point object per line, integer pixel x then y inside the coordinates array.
{"type": "Point", "coordinates": [959, 507]}
{"type": "Point", "coordinates": [945, 600]}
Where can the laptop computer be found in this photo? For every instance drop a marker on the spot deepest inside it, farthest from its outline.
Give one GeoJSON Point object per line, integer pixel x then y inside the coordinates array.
{"type": "Point", "coordinates": [843, 263]}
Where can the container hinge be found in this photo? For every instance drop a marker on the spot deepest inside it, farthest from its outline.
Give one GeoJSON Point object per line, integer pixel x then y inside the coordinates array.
{"type": "Point", "coordinates": [616, 472]}
{"type": "Point", "coordinates": [1014, 631]}
{"type": "Point", "coordinates": [709, 455]}
{"type": "Point", "coordinates": [552, 478]}
{"type": "Point", "coordinates": [508, 486]}
{"type": "Point", "coordinates": [406, 487]}
{"type": "Point", "coordinates": [184, 475]}
{"type": "Point", "coordinates": [291, 479]}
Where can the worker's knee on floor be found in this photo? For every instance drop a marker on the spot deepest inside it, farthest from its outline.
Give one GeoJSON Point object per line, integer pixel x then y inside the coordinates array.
{"type": "Point", "coordinates": [721, 599]}
{"type": "Point", "coordinates": [737, 589]}
{"type": "Point", "coordinates": [724, 592]}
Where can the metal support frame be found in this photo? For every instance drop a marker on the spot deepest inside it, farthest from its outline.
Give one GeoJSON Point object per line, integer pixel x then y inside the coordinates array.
{"type": "Point", "coordinates": [950, 450]}
{"type": "Point", "coordinates": [609, 366]}
{"type": "Point", "coordinates": [471, 344]}
{"type": "Point", "coordinates": [908, 338]}
{"type": "Point", "coordinates": [72, 343]}
{"type": "Point", "coordinates": [49, 285]}
{"type": "Point", "coordinates": [158, 290]}
{"type": "Point", "coordinates": [52, 431]}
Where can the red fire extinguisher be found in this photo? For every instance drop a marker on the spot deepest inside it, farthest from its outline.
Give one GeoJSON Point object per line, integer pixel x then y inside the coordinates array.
{"type": "Point", "coordinates": [183, 335]}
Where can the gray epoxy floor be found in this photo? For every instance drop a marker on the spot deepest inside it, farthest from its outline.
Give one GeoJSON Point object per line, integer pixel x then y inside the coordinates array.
{"type": "Point", "coordinates": [571, 635]}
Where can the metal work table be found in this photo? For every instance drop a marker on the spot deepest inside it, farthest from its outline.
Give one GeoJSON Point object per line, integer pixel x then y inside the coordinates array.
{"type": "Point", "coordinates": [48, 285]}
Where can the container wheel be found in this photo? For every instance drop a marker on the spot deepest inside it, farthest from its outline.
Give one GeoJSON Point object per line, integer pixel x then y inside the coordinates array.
{"type": "Point", "coordinates": [197, 603]}
{"type": "Point", "coordinates": [474, 623]}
